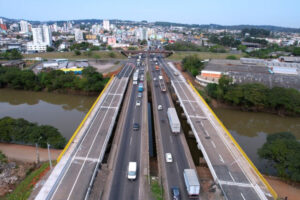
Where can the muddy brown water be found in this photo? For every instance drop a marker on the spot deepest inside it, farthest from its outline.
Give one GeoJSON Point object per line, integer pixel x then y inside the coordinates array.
{"type": "Point", "coordinates": [251, 129]}
{"type": "Point", "coordinates": [65, 112]}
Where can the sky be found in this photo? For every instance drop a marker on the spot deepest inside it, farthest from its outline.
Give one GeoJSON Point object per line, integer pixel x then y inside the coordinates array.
{"type": "Point", "coordinates": [224, 12]}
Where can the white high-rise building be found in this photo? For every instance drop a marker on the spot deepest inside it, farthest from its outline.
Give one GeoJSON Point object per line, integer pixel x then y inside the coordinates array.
{"type": "Point", "coordinates": [106, 25]}
{"type": "Point", "coordinates": [1, 21]}
{"type": "Point", "coordinates": [42, 38]}
{"type": "Point", "coordinates": [96, 29]}
{"type": "Point", "coordinates": [78, 35]}
{"type": "Point", "coordinates": [24, 26]}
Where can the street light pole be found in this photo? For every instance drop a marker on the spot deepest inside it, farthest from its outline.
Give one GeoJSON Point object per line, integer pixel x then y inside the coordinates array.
{"type": "Point", "coordinates": [49, 155]}
{"type": "Point", "coordinates": [37, 153]}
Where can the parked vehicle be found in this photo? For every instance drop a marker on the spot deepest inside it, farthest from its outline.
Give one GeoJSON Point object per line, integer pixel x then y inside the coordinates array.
{"type": "Point", "coordinates": [191, 182]}
{"type": "Point", "coordinates": [175, 193]}
{"type": "Point", "coordinates": [173, 120]}
{"type": "Point", "coordinates": [169, 157]}
{"type": "Point", "coordinates": [132, 167]}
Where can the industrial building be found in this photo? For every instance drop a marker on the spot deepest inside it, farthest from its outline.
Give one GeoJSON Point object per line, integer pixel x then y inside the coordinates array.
{"type": "Point", "coordinates": [248, 70]}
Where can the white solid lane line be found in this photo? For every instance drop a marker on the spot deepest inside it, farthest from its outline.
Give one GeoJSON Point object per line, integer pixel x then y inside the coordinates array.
{"type": "Point", "coordinates": [212, 142]}
{"type": "Point", "coordinates": [221, 159]}
{"type": "Point", "coordinates": [231, 176]}
{"type": "Point", "coordinates": [243, 196]}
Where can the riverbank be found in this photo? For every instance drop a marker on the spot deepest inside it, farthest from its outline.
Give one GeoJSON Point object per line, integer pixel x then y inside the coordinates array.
{"type": "Point", "coordinates": [24, 153]}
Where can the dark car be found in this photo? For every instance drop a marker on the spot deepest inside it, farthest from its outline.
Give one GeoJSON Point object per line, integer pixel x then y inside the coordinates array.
{"type": "Point", "coordinates": [175, 193]}
{"type": "Point", "coordinates": [136, 126]}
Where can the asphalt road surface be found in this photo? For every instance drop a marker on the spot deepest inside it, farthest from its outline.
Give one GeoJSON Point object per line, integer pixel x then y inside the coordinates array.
{"type": "Point", "coordinates": [232, 179]}
{"type": "Point", "coordinates": [171, 143]}
{"type": "Point", "coordinates": [129, 151]}
{"type": "Point", "coordinates": [77, 175]}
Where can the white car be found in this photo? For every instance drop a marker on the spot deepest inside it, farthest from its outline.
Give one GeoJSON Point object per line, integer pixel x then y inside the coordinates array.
{"type": "Point", "coordinates": [138, 103]}
{"type": "Point", "coordinates": [154, 78]}
{"type": "Point", "coordinates": [159, 107]}
{"type": "Point", "coordinates": [169, 157]}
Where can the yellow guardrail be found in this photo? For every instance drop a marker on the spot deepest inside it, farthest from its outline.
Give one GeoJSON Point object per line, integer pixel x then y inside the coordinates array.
{"type": "Point", "coordinates": [272, 191]}
{"type": "Point", "coordinates": [82, 122]}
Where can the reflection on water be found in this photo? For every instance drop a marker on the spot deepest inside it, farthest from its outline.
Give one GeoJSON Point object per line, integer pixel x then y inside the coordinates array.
{"type": "Point", "coordinates": [251, 129]}
{"type": "Point", "coordinates": [64, 112]}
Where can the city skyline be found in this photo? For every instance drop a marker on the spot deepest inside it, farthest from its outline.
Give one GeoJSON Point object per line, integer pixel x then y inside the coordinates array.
{"type": "Point", "coordinates": [233, 12]}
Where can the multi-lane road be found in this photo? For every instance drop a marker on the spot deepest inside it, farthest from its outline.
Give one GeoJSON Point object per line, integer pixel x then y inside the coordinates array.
{"type": "Point", "coordinates": [168, 142]}
{"type": "Point", "coordinates": [225, 165]}
{"type": "Point", "coordinates": [76, 177]}
{"type": "Point", "coordinates": [129, 149]}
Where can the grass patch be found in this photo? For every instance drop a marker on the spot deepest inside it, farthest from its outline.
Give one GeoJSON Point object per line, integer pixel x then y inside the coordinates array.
{"type": "Point", "coordinates": [24, 189]}
{"type": "Point", "coordinates": [179, 55]}
{"type": "Point", "coordinates": [231, 57]}
{"type": "Point", "coordinates": [156, 189]}
{"type": "Point", "coordinates": [71, 55]}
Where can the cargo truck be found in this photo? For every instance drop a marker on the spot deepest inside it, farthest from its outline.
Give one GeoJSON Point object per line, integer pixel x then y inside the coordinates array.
{"type": "Point", "coordinates": [191, 182]}
{"type": "Point", "coordinates": [173, 120]}
{"type": "Point", "coordinates": [135, 78]}
{"type": "Point", "coordinates": [156, 67]}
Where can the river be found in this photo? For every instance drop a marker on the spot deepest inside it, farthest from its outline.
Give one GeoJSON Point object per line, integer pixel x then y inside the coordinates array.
{"type": "Point", "coordinates": [251, 129]}
{"type": "Point", "coordinates": [65, 112]}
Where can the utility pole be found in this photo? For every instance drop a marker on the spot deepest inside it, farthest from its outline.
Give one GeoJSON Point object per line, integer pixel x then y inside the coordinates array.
{"type": "Point", "coordinates": [37, 153]}
{"type": "Point", "coordinates": [49, 155]}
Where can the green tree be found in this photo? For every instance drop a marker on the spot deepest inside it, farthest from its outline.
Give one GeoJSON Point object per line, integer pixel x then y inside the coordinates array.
{"type": "Point", "coordinates": [50, 49]}
{"type": "Point", "coordinates": [282, 150]}
{"type": "Point", "coordinates": [296, 51]}
{"type": "Point", "coordinates": [112, 54]}
{"type": "Point", "coordinates": [77, 52]}
{"type": "Point", "coordinates": [109, 47]}
{"type": "Point", "coordinates": [192, 64]}
{"type": "Point", "coordinates": [143, 42]}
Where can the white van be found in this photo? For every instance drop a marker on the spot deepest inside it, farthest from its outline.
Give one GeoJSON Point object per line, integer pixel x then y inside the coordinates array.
{"type": "Point", "coordinates": [132, 170]}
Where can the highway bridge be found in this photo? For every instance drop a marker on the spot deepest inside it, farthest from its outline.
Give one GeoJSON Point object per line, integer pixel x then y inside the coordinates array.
{"type": "Point", "coordinates": [74, 176]}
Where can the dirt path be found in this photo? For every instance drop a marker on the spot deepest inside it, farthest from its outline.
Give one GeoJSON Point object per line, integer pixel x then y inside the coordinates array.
{"type": "Point", "coordinates": [26, 153]}
{"type": "Point", "coordinates": [283, 189]}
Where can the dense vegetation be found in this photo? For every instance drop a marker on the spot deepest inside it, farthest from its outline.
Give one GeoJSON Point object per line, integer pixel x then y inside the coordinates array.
{"type": "Point", "coordinates": [256, 32]}
{"type": "Point", "coordinates": [192, 64]}
{"type": "Point", "coordinates": [283, 151]}
{"type": "Point", "coordinates": [91, 81]}
{"type": "Point", "coordinates": [13, 54]}
{"type": "Point", "coordinates": [255, 40]}
{"type": "Point", "coordinates": [24, 132]}
{"type": "Point", "coordinates": [188, 46]}
{"type": "Point", "coordinates": [255, 96]}
{"type": "Point", "coordinates": [226, 40]}
{"type": "Point", "coordinates": [183, 46]}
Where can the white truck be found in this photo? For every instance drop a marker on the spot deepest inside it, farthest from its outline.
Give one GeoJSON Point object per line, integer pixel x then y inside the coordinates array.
{"type": "Point", "coordinates": [191, 182]}
{"type": "Point", "coordinates": [135, 77]}
{"type": "Point", "coordinates": [173, 120]}
{"type": "Point", "coordinates": [131, 174]}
